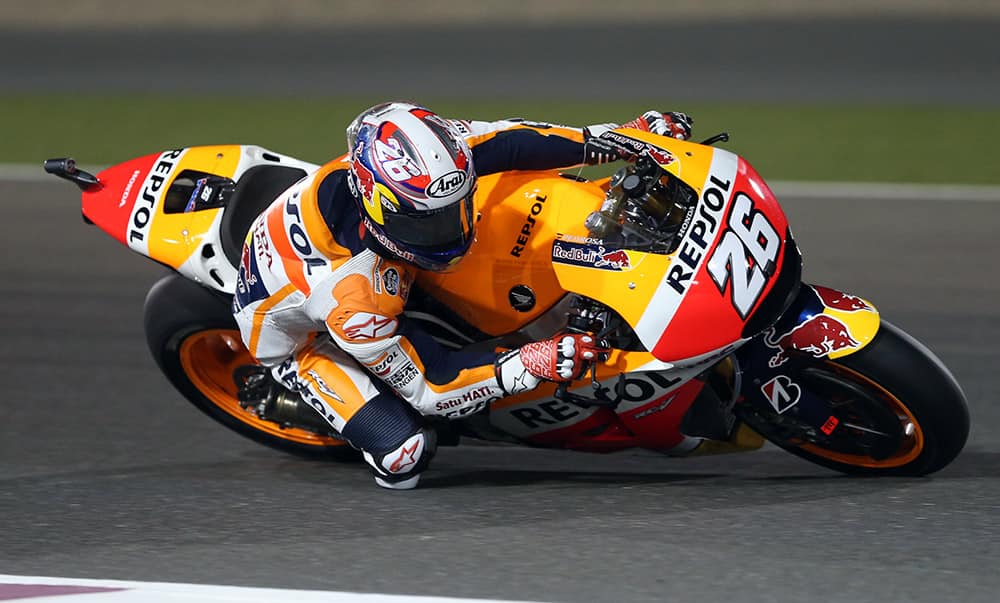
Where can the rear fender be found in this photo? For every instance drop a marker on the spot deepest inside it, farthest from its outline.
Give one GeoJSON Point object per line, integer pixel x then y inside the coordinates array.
{"type": "Point", "coordinates": [821, 323]}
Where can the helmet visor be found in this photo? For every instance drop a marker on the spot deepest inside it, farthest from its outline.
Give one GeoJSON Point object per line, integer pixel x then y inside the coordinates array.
{"type": "Point", "coordinates": [439, 230]}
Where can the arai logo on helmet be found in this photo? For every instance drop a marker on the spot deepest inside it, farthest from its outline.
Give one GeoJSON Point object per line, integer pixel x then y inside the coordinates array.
{"type": "Point", "coordinates": [447, 184]}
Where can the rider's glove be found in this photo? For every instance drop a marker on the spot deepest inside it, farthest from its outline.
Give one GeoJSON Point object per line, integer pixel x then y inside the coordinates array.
{"type": "Point", "coordinates": [561, 358]}
{"type": "Point", "coordinates": [673, 124]}
{"type": "Point", "coordinates": [602, 146]}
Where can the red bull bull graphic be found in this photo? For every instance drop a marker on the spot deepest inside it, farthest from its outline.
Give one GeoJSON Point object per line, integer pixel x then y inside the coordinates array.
{"type": "Point", "coordinates": [819, 336]}
{"type": "Point", "coordinates": [659, 156]}
{"type": "Point", "coordinates": [617, 260]}
{"type": "Point", "coordinates": [842, 301]}
{"type": "Point", "coordinates": [590, 256]}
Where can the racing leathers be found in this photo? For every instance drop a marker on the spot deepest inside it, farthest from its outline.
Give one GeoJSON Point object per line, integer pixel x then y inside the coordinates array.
{"type": "Point", "coordinates": [319, 300]}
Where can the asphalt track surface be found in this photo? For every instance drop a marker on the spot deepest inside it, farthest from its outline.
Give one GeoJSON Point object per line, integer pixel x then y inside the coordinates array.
{"type": "Point", "coordinates": [929, 61]}
{"type": "Point", "coordinates": [106, 472]}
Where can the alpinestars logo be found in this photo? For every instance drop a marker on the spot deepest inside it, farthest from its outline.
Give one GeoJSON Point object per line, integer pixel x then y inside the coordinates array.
{"type": "Point", "coordinates": [408, 454]}
{"type": "Point", "coordinates": [364, 325]}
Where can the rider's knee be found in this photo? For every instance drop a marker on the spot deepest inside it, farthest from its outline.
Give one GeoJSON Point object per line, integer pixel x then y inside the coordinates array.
{"type": "Point", "coordinates": [392, 439]}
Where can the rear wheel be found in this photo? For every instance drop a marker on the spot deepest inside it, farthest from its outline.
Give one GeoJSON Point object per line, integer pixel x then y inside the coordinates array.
{"type": "Point", "coordinates": [194, 340]}
{"type": "Point", "coordinates": [895, 408]}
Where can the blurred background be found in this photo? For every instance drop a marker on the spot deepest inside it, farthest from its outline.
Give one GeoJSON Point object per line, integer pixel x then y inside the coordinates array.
{"type": "Point", "coordinates": [847, 90]}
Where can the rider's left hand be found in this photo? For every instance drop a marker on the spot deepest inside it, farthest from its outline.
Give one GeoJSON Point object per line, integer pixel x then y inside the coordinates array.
{"type": "Point", "coordinates": [673, 124]}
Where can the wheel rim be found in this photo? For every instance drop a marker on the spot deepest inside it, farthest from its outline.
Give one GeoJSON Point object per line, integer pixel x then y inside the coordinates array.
{"type": "Point", "coordinates": [911, 443]}
{"type": "Point", "coordinates": [209, 358]}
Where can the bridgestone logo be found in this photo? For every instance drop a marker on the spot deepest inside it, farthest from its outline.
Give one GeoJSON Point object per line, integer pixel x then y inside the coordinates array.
{"type": "Point", "coordinates": [447, 184]}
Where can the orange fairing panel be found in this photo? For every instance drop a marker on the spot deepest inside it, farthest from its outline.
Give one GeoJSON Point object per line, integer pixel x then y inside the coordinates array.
{"type": "Point", "coordinates": [510, 262]}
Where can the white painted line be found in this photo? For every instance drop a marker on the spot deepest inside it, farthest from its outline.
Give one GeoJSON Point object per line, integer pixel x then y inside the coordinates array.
{"type": "Point", "coordinates": [50, 590]}
{"type": "Point", "coordinates": [875, 191]}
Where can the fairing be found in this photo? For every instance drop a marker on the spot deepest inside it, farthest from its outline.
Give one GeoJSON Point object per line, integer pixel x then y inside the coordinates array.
{"type": "Point", "coordinates": [821, 323]}
{"type": "Point", "coordinates": [696, 302]}
{"type": "Point", "coordinates": [130, 205]}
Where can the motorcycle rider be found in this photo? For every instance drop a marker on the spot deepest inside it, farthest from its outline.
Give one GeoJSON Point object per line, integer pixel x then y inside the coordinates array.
{"type": "Point", "coordinates": [327, 268]}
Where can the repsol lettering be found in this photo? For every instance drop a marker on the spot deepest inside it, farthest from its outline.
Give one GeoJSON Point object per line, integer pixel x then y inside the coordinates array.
{"type": "Point", "coordinates": [143, 212]}
{"type": "Point", "coordinates": [641, 387]}
{"type": "Point", "coordinates": [529, 225]}
{"type": "Point", "coordinates": [699, 236]}
{"type": "Point", "coordinates": [297, 235]}
{"type": "Point", "coordinates": [321, 408]}
{"type": "Point", "coordinates": [546, 413]}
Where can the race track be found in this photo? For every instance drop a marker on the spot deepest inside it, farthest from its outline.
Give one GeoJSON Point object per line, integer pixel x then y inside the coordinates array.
{"type": "Point", "coordinates": [106, 472]}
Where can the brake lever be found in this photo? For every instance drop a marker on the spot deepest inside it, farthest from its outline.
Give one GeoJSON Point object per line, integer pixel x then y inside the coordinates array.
{"type": "Point", "coordinates": [720, 137]}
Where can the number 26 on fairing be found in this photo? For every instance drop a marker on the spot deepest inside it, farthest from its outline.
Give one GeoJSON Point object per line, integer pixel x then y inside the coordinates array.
{"type": "Point", "coordinates": [747, 254]}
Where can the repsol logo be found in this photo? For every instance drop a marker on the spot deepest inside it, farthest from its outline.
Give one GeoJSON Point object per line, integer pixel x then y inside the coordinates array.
{"type": "Point", "coordinates": [447, 184]}
{"type": "Point", "coordinates": [529, 225]}
{"type": "Point", "coordinates": [142, 214]}
{"type": "Point", "coordinates": [640, 388]}
{"type": "Point", "coordinates": [297, 235]}
{"type": "Point", "coordinates": [700, 235]}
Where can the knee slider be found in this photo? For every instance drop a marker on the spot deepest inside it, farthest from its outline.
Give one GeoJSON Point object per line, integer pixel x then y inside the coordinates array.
{"type": "Point", "coordinates": [406, 460]}
{"type": "Point", "coordinates": [389, 433]}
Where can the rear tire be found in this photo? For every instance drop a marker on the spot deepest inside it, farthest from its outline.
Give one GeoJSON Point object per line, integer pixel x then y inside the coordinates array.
{"type": "Point", "coordinates": [893, 374]}
{"type": "Point", "coordinates": [195, 341]}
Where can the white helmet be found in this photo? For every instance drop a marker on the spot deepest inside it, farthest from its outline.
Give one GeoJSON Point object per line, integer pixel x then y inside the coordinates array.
{"type": "Point", "coordinates": [411, 172]}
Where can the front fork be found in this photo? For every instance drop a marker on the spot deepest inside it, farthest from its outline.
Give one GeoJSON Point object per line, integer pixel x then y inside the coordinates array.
{"type": "Point", "coordinates": [820, 324]}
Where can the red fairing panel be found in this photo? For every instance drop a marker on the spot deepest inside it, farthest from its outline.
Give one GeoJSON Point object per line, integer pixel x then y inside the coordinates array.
{"type": "Point", "coordinates": [726, 263]}
{"type": "Point", "coordinates": [110, 206]}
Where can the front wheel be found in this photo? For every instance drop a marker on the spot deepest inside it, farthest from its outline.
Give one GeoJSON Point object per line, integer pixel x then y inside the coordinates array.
{"type": "Point", "coordinates": [194, 340]}
{"type": "Point", "coordinates": [895, 410]}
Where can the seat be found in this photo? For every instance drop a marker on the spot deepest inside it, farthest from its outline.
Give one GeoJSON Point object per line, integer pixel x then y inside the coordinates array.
{"type": "Point", "coordinates": [255, 190]}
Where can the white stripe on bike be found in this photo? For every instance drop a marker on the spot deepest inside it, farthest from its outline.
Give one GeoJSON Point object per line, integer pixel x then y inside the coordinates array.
{"type": "Point", "coordinates": [123, 591]}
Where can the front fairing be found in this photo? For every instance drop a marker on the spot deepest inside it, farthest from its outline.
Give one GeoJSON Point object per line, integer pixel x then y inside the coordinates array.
{"type": "Point", "coordinates": [733, 269]}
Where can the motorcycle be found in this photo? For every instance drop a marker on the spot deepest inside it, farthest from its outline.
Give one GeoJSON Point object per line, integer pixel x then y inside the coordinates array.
{"type": "Point", "coordinates": [683, 261]}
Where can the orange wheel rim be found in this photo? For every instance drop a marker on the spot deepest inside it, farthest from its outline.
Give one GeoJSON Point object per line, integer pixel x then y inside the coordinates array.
{"type": "Point", "coordinates": [209, 358]}
{"type": "Point", "coordinates": [913, 436]}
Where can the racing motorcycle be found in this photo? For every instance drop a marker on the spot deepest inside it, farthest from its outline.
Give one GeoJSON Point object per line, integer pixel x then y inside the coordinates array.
{"type": "Point", "coordinates": [683, 261]}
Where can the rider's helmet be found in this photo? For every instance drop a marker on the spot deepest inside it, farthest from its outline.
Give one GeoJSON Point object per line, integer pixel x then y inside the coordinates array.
{"type": "Point", "coordinates": [411, 173]}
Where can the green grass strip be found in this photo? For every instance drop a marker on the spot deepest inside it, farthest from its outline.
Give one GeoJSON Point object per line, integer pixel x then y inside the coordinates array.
{"type": "Point", "coordinates": [844, 143]}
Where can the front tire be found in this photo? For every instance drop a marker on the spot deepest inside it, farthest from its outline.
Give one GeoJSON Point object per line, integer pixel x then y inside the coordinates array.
{"type": "Point", "coordinates": [899, 410]}
{"type": "Point", "coordinates": [195, 341]}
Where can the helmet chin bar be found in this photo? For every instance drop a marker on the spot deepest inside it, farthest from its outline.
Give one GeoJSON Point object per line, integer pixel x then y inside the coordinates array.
{"type": "Point", "coordinates": [384, 246]}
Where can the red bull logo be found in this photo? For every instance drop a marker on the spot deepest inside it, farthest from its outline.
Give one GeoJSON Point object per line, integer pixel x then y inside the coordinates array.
{"type": "Point", "coordinates": [364, 179]}
{"type": "Point", "coordinates": [617, 260]}
{"type": "Point", "coordinates": [591, 256]}
{"type": "Point", "coordinates": [660, 156]}
{"type": "Point", "coordinates": [842, 301]}
{"type": "Point", "coordinates": [818, 336]}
